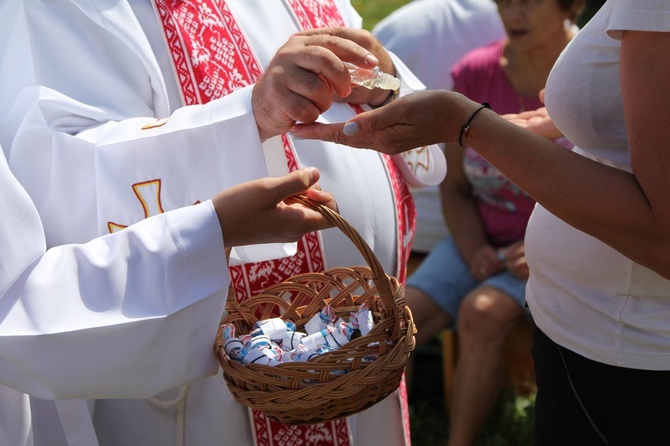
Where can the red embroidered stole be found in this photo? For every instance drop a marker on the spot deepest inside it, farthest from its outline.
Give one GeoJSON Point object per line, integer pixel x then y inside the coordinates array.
{"type": "Point", "coordinates": [212, 58]}
{"type": "Point", "coordinates": [324, 13]}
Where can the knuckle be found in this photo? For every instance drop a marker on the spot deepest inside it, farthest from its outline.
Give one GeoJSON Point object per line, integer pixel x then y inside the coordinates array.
{"type": "Point", "coordinates": [340, 138]}
{"type": "Point", "coordinates": [302, 176]}
{"type": "Point", "coordinates": [306, 114]}
{"type": "Point", "coordinates": [314, 85]}
{"type": "Point", "coordinates": [366, 38]}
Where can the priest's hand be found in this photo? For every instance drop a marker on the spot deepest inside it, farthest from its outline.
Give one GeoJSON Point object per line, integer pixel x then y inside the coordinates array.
{"type": "Point", "coordinates": [302, 80]}
{"type": "Point", "coordinates": [255, 212]}
{"type": "Point", "coordinates": [364, 38]}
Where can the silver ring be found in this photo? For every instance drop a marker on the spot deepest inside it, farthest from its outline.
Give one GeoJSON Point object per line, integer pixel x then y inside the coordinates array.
{"type": "Point", "coordinates": [501, 256]}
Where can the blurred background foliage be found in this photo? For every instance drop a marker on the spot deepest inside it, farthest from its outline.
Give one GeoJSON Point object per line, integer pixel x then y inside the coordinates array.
{"type": "Point", "coordinates": [373, 11]}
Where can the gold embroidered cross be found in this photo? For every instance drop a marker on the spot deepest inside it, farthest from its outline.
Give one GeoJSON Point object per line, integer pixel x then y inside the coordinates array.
{"type": "Point", "coordinates": [149, 194]}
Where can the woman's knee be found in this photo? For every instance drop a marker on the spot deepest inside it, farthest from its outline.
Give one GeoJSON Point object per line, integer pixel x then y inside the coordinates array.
{"type": "Point", "coordinates": [489, 310]}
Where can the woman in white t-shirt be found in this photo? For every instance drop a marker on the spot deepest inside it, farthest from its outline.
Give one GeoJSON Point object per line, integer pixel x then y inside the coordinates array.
{"type": "Point", "coordinates": [597, 243]}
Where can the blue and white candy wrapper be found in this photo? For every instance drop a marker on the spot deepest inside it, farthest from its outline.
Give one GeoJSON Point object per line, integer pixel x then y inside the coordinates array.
{"type": "Point", "coordinates": [255, 343]}
{"type": "Point", "coordinates": [291, 355]}
{"type": "Point", "coordinates": [265, 356]}
{"type": "Point", "coordinates": [324, 349]}
{"type": "Point", "coordinates": [320, 320]}
{"type": "Point", "coordinates": [302, 354]}
{"type": "Point", "coordinates": [314, 340]}
{"type": "Point", "coordinates": [256, 332]}
{"type": "Point", "coordinates": [292, 340]}
{"type": "Point", "coordinates": [331, 336]}
{"type": "Point", "coordinates": [274, 341]}
{"type": "Point", "coordinates": [362, 319]}
{"type": "Point", "coordinates": [231, 344]}
{"type": "Point", "coordinates": [306, 355]}
{"type": "Point", "coordinates": [337, 336]}
{"type": "Point", "coordinates": [276, 328]}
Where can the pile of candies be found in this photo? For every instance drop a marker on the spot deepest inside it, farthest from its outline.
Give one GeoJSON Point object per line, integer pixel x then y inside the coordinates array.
{"type": "Point", "coordinates": [275, 341]}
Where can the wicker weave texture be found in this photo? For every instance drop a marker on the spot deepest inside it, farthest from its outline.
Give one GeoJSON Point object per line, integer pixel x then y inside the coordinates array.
{"type": "Point", "coordinates": [335, 384]}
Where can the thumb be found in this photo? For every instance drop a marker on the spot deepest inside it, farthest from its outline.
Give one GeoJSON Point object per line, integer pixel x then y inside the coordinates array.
{"type": "Point", "coordinates": [296, 182]}
{"type": "Point", "coordinates": [368, 122]}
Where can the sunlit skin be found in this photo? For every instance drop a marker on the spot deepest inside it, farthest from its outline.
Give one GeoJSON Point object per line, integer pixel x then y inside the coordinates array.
{"type": "Point", "coordinates": [255, 211]}
{"type": "Point", "coordinates": [307, 75]}
{"type": "Point", "coordinates": [536, 121]}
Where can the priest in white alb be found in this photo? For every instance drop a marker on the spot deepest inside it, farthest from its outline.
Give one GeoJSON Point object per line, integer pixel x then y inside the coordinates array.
{"type": "Point", "coordinates": [112, 111]}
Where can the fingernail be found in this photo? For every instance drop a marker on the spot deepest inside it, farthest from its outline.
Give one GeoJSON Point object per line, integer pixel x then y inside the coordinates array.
{"type": "Point", "coordinates": [296, 137]}
{"type": "Point", "coordinates": [371, 59]}
{"type": "Point", "coordinates": [311, 171]}
{"type": "Point", "coordinates": [350, 128]}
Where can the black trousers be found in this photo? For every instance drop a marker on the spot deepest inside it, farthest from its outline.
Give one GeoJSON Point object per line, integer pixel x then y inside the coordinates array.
{"type": "Point", "coordinates": [584, 402]}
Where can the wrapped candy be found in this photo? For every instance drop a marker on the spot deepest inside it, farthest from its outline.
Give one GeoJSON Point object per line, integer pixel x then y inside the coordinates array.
{"type": "Point", "coordinates": [293, 354]}
{"type": "Point", "coordinates": [320, 320]}
{"type": "Point", "coordinates": [337, 336]}
{"type": "Point", "coordinates": [292, 340]}
{"type": "Point", "coordinates": [331, 336]}
{"type": "Point", "coordinates": [314, 340]}
{"type": "Point", "coordinates": [300, 354]}
{"type": "Point", "coordinates": [231, 344]}
{"type": "Point", "coordinates": [274, 340]}
{"type": "Point", "coordinates": [262, 355]}
{"type": "Point", "coordinates": [362, 319]}
{"type": "Point", "coordinates": [276, 328]}
{"type": "Point", "coordinates": [255, 342]}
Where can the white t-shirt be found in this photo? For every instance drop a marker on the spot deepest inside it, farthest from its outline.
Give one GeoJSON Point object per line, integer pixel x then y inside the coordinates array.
{"type": "Point", "coordinates": [429, 36]}
{"type": "Point", "coordinates": [582, 293]}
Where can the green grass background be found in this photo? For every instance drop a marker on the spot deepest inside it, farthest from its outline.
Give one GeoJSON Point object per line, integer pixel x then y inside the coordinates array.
{"type": "Point", "coordinates": [373, 11]}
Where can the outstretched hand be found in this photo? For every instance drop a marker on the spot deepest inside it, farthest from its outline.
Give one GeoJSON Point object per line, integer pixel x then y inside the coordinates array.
{"type": "Point", "coordinates": [415, 120]}
{"type": "Point", "coordinates": [255, 212]}
{"type": "Point", "coordinates": [536, 121]}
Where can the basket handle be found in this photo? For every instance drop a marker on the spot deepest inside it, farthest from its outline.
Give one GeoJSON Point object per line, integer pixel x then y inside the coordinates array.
{"type": "Point", "coordinates": [348, 230]}
{"type": "Point", "coordinates": [379, 276]}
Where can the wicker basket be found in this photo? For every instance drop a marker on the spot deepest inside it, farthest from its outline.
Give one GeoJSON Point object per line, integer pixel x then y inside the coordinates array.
{"type": "Point", "coordinates": [335, 384]}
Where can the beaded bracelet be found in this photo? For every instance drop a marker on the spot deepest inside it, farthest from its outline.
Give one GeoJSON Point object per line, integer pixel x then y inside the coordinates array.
{"type": "Point", "coordinates": [463, 136]}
